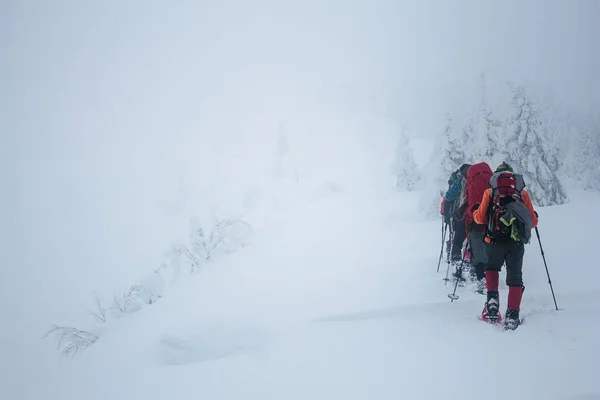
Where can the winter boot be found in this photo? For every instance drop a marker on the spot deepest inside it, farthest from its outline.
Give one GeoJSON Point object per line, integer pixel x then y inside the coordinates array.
{"type": "Point", "coordinates": [480, 286]}
{"type": "Point", "coordinates": [472, 275]}
{"type": "Point", "coordinates": [515, 294]}
{"type": "Point", "coordinates": [458, 271]}
{"type": "Point", "coordinates": [491, 310]}
{"type": "Point", "coordinates": [512, 320]}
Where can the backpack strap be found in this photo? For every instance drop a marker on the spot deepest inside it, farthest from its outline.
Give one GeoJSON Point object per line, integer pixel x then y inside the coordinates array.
{"type": "Point", "coordinates": [520, 182]}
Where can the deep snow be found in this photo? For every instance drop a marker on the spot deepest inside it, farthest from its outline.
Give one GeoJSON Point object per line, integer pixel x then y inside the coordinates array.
{"type": "Point", "coordinates": [354, 309]}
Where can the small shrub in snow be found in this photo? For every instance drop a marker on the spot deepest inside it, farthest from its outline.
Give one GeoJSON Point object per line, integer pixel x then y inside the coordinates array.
{"type": "Point", "coordinates": [71, 341]}
{"type": "Point", "coordinates": [222, 236]}
{"type": "Point", "coordinates": [132, 301]}
{"type": "Point", "coordinates": [225, 235]}
{"type": "Point", "coordinates": [100, 313]}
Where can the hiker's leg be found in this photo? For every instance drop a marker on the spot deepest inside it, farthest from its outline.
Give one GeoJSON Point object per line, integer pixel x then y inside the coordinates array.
{"type": "Point", "coordinates": [478, 256]}
{"type": "Point", "coordinates": [459, 237]}
{"type": "Point", "coordinates": [514, 275]}
{"type": "Point", "coordinates": [495, 259]}
{"type": "Point", "coordinates": [514, 265]}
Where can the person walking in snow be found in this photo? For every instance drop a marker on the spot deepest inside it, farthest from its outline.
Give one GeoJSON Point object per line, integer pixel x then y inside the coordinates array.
{"type": "Point", "coordinates": [447, 207]}
{"type": "Point", "coordinates": [456, 196]}
{"type": "Point", "coordinates": [477, 181]}
{"type": "Point", "coordinates": [507, 212]}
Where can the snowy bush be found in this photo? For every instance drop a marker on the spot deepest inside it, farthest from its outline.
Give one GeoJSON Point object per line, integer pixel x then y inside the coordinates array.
{"type": "Point", "coordinates": [71, 341]}
{"type": "Point", "coordinates": [222, 236]}
{"type": "Point", "coordinates": [100, 313]}
{"type": "Point", "coordinates": [132, 301]}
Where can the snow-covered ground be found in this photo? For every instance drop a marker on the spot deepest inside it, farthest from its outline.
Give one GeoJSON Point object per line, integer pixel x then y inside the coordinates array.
{"type": "Point", "coordinates": [341, 300]}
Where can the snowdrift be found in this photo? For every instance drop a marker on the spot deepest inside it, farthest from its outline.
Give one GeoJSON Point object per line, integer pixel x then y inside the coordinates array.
{"type": "Point", "coordinates": [342, 301]}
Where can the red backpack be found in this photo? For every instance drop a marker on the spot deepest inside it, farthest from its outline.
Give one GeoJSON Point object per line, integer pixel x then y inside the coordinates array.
{"type": "Point", "coordinates": [478, 180]}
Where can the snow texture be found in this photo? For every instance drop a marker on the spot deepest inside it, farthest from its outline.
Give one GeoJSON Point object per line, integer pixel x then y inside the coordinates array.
{"type": "Point", "coordinates": [361, 314]}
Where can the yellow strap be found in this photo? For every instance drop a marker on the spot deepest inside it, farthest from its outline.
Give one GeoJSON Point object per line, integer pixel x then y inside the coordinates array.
{"type": "Point", "coordinates": [507, 223]}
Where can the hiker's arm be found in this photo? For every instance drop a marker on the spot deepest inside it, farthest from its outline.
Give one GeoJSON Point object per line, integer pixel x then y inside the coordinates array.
{"type": "Point", "coordinates": [527, 201]}
{"type": "Point", "coordinates": [480, 215]}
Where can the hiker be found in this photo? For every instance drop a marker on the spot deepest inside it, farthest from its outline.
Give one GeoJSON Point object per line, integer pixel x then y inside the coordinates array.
{"type": "Point", "coordinates": [456, 195]}
{"type": "Point", "coordinates": [477, 181]}
{"type": "Point", "coordinates": [508, 214]}
{"type": "Point", "coordinates": [447, 207]}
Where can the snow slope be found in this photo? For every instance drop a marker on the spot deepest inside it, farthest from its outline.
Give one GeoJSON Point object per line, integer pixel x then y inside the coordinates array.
{"type": "Point", "coordinates": [340, 299]}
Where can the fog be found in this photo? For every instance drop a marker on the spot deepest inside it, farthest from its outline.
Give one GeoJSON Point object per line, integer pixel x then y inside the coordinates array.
{"type": "Point", "coordinates": [120, 120]}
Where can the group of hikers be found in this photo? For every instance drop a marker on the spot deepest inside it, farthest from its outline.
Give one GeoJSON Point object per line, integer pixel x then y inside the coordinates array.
{"type": "Point", "coordinates": [490, 216]}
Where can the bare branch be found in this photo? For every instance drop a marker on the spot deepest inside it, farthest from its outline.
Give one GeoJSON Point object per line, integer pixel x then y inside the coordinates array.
{"type": "Point", "coordinates": [100, 314]}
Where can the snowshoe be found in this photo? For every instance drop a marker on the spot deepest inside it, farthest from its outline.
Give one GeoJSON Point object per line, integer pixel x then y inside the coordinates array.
{"type": "Point", "coordinates": [512, 320]}
{"type": "Point", "coordinates": [491, 310]}
{"type": "Point", "coordinates": [491, 317]}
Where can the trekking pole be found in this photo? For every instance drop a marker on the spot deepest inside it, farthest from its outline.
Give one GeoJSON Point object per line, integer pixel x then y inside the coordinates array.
{"type": "Point", "coordinates": [453, 296]}
{"type": "Point", "coordinates": [537, 232]}
{"type": "Point", "coordinates": [447, 272]}
{"type": "Point", "coordinates": [450, 243]}
{"type": "Point", "coordinates": [444, 229]}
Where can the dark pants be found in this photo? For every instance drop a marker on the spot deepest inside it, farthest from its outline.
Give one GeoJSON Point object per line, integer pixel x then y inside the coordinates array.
{"type": "Point", "coordinates": [511, 253]}
{"type": "Point", "coordinates": [460, 235]}
{"type": "Point", "coordinates": [478, 252]}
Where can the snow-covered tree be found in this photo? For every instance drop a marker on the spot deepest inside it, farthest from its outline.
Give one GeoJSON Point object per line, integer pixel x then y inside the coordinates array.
{"type": "Point", "coordinates": [528, 151]}
{"type": "Point", "coordinates": [594, 146]}
{"type": "Point", "coordinates": [452, 148]}
{"type": "Point", "coordinates": [492, 130]}
{"type": "Point", "coordinates": [467, 140]}
{"type": "Point", "coordinates": [404, 168]}
{"type": "Point", "coordinates": [483, 131]}
{"type": "Point", "coordinates": [583, 165]}
{"type": "Point", "coordinates": [447, 156]}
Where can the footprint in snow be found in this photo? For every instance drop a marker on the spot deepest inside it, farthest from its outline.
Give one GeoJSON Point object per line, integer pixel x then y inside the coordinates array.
{"type": "Point", "coordinates": [212, 343]}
